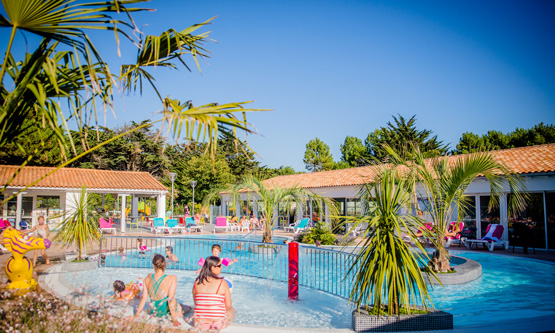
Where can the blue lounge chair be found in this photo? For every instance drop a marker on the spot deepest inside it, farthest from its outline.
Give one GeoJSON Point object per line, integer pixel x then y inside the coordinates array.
{"type": "Point", "coordinates": [303, 225]}
{"type": "Point", "coordinates": [173, 225]}
{"type": "Point", "coordinates": [159, 225]}
{"type": "Point", "coordinates": [191, 225]}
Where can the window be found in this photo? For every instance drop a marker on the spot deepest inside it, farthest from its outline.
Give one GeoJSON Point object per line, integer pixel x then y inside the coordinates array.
{"type": "Point", "coordinates": [48, 206]}
{"type": "Point", "coordinates": [487, 217]}
{"type": "Point", "coordinates": [353, 207]}
{"type": "Point", "coordinates": [468, 215]}
{"type": "Point", "coordinates": [531, 220]}
{"type": "Point", "coordinates": [550, 206]}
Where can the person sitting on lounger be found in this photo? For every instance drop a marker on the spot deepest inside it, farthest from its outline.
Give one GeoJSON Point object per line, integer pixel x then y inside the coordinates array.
{"type": "Point", "coordinates": [453, 230]}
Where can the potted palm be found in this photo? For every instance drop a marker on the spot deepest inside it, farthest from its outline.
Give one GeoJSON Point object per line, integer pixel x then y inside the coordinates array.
{"type": "Point", "coordinates": [79, 229]}
{"type": "Point", "coordinates": [389, 288]}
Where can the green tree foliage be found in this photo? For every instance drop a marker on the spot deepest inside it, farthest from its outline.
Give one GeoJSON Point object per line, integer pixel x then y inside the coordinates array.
{"type": "Point", "coordinates": [494, 140]}
{"type": "Point", "coordinates": [65, 68]}
{"type": "Point", "coordinates": [139, 150]}
{"type": "Point", "coordinates": [354, 152]}
{"type": "Point", "coordinates": [321, 233]}
{"type": "Point", "coordinates": [36, 146]}
{"type": "Point", "coordinates": [317, 156]}
{"type": "Point", "coordinates": [400, 135]}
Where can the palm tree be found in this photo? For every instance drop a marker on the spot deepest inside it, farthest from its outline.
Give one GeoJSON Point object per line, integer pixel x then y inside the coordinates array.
{"type": "Point", "coordinates": [80, 228]}
{"type": "Point", "coordinates": [66, 69]}
{"type": "Point", "coordinates": [387, 270]}
{"type": "Point", "coordinates": [442, 181]}
{"type": "Point", "coordinates": [270, 196]}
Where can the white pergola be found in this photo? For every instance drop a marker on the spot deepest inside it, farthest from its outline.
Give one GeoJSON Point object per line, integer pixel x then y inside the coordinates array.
{"type": "Point", "coordinates": [66, 183]}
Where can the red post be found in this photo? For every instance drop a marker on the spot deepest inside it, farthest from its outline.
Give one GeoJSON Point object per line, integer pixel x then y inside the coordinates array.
{"type": "Point", "coordinates": [293, 285]}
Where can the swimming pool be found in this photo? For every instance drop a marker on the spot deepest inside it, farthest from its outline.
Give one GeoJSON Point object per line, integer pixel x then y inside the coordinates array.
{"type": "Point", "coordinates": [509, 289]}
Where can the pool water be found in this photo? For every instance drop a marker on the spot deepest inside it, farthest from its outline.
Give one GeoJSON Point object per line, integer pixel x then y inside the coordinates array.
{"type": "Point", "coordinates": [257, 301]}
{"type": "Point", "coordinates": [509, 289]}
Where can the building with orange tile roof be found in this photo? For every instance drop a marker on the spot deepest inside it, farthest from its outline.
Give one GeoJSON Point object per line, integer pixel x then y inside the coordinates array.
{"type": "Point", "coordinates": [536, 164]}
{"type": "Point", "coordinates": [64, 186]}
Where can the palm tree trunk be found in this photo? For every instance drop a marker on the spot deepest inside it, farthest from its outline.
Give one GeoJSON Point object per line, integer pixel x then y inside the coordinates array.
{"type": "Point", "coordinates": [267, 235]}
{"type": "Point", "coordinates": [440, 258]}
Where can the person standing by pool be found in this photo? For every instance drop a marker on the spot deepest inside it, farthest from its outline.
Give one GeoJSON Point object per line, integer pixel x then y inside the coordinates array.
{"type": "Point", "coordinates": [160, 288]}
{"type": "Point", "coordinates": [42, 232]}
{"type": "Point", "coordinates": [212, 297]}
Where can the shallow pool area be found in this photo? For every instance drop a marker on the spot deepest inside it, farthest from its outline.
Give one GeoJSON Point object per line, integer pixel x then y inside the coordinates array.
{"type": "Point", "coordinates": [258, 302]}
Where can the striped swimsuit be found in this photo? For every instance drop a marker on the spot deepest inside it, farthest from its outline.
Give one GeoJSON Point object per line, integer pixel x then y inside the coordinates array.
{"type": "Point", "coordinates": [212, 307]}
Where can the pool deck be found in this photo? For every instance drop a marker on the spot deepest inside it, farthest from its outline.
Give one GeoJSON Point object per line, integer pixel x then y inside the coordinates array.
{"type": "Point", "coordinates": [56, 253]}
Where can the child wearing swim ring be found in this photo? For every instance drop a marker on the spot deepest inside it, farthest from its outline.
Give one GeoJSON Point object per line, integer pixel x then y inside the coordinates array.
{"type": "Point", "coordinates": [123, 292]}
{"type": "Point", "coordinates": [216, 250]}
{"type": "Point", "coordinates": [140, 247]}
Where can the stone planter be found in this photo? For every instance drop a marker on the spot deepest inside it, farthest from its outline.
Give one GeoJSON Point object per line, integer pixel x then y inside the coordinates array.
{"type": "Point", "coordinates": [435, 320]}
{"type": "Point", "coordinates": [467, 270]}
{"type": "Point", "coordinates": [69, 266]}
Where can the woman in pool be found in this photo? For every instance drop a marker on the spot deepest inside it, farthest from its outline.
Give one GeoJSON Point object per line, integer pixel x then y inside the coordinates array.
{"type": "Point", "coordinates": [160, 288]}
{"type": "Point", "coordinates": [170, 256]}
{"type": "Point", "coordinates": [213, 310]}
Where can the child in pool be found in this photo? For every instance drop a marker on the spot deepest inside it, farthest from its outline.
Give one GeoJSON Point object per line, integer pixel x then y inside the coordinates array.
{"type": "Point", "coordinates": [123, 292]}
{"type": "Point", "coordinates": [140, 247]}
{"type": "Point", "coordinates": [216, 250]}
{"type": "Point", "coordinates": [170, 256]}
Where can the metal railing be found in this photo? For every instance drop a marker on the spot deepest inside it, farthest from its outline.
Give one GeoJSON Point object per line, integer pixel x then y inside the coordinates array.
{"type": "Point", "coordinates": [321, 269]}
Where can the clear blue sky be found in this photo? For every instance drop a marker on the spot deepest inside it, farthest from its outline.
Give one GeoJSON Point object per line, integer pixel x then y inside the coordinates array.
{"type": "Point", "coordinates": [330, 69]}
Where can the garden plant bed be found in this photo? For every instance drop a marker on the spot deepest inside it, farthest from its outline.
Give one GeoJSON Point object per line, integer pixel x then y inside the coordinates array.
{"type": "Point", "coordinates": [429, 321]}
{"type": "Point", "coordinates": [466, 270]}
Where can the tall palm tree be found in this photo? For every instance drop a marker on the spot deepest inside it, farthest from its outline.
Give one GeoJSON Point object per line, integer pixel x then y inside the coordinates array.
{"type": "Point", "coordinates": [442, 181]}
{"type": "Point", "coordinates": [387, 269]}
{"type": "Point", "coordinates": [66, 67]}
{"type": "Point", "coordinates": [270, 196]}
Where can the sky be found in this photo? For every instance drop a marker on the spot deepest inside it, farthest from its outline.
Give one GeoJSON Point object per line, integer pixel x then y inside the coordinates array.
{"type": "Point", "coordinates": [331, 69]}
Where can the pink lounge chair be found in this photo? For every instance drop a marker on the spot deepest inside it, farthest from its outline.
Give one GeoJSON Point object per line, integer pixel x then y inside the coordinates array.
{"type": "Point", "coordinates": [221, 223]}
{"type": "Point", "coordinates": [494, 234]}
{"type": "Point", "coordinates": [105, 225]}
{"type": "Point", "coordinates": [457, 238]}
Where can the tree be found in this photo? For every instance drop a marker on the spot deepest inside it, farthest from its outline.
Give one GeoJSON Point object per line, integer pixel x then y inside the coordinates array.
{"type": "Point", "coordinates": [138, 150]}
{"type": "Point", "coordinates": [442, 181]}
{"type": "Point", "coordinates": [494, 140]}
{"type": "Point", "coordinates": [354, 152]}
{"type": "Point", "coordinates": [400, 135]}
{"type": "Point", "coordinates": [67, 69]}
{"type": "Point", "coordinates": [317, 156]}
{"type": "Point", "coordinates": [386, 268]}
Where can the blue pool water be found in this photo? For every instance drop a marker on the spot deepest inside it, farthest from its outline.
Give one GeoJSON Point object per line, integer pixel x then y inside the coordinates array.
{"type": "Point", "coordinates": [509, 289]}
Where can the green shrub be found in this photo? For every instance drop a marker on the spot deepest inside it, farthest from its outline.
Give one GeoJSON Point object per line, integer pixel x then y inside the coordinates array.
{"type": "Point", "coordinates": [320, 233]}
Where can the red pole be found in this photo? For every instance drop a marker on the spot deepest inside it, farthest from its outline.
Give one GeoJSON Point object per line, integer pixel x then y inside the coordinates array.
{"type": "Point", "coordinates": [293, 285]}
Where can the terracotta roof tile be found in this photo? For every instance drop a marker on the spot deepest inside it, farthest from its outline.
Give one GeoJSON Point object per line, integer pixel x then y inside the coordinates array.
{"type": "Point", "coordinates": [523, 160]}
{"type": "Point", "coordinates": [76, 178]}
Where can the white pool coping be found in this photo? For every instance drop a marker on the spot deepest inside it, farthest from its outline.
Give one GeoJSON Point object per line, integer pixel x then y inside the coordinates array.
{"type": "Point", "coordinates": [52, 280]}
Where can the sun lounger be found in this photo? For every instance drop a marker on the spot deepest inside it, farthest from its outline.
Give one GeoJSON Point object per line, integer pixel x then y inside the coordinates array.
{"type": "Point", "coordinates": [159, 225]}
{"type": "Point", "coordinates": [173, 225]}
{"type": "Point", "coordinates": [221, 223]}
{"type": "Point", "coordinates": [493, 237]}
{"type": "Point", "coordinates": [106, 226]}
{"type": "Point", "coordinates": [303, 225]}
{"type": "Point", "coordinates": [191, 225]}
